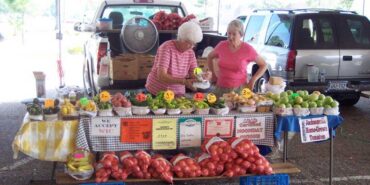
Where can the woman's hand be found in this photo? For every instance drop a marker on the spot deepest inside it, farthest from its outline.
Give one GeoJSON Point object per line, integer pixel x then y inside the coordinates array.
{"type": "Point", "coordinates": [251, 84]}
{"type": "Point", "coordinates": [189, 84]}
{"type": "Point", "coordinates": [207, 75]}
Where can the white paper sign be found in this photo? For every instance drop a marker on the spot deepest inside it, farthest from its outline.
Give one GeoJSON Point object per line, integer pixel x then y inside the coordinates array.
{"type": "Point", "coordinates": [314, 129]}
{"type": "Point", "coordinates": [105, 126]}
{"type": "Point", "coordinates": [190, 132]}
{"type": "Point", "coordinates": [252, 128]}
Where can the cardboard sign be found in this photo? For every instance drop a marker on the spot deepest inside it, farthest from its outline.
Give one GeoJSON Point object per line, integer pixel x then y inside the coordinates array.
{"type": "Point", "coordinates": [252, 128]}
{"type": "Point", "coordinates": [314, 129]}
{"type": "Point", "coordinates": [190, 132]}
{"type": "Point", "coordinates": [222, 127]}
{"type": "Point", "coordinates": [137, 130]}
{"type": "Point", "coordinates": [164, 134]}
{"type": "Point", "coordinates": [105, 126]}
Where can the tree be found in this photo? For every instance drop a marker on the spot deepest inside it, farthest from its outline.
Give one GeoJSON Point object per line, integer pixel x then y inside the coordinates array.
{"type": "Point", "coordinates": [17, 10]}
{"type": "Point", "coordinates": [346, 4]}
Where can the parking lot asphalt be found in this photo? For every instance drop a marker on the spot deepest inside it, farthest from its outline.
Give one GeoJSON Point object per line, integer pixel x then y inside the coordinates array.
{"type": "Point", "coordinates": [351, 153]}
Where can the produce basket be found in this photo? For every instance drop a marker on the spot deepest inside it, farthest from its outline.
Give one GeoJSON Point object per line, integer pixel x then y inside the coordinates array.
{"type": "Point", "coordinates": [317, 111]}
{"type": "Point", "coordinates": [88, 113]}
{"type": "Point", "coordinates": [123, 111]}
{"type": "Point", "coordinates": [35, 117]}
{"type": "Point", "coordinates": [187, 111]}
{"type": "Point", "coordinates": [280, 179]}
{"type": "Point", "coordinates": [50, 117]}
{"type": "Point", "coordinates": [283, 111]}
{"type": "Point", "coordinates": [245, 109]}
{"type": "Point", "coordinates": [222, 111]}
{"type": "Point", "coordinates": [173, 111]}
{"type": "Point", "coordinates": [331, 111]}
{"type": "Point", "coordinates": [301, 111]}
{"type": "Point", "coordinates": [160, 111]}
{"type": "Point", "coordinates": [84, 175]}
{"type": "Point", "coordinates": [137, 110]}
{"type": "Point", "coordinates": [264, 108]}
{"type": "Point", "coordinates": [105, 112]}
{"type": "Point", "coordinates": [201, 111]}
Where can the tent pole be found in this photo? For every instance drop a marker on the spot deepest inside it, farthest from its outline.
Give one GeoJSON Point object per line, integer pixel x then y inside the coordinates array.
{"type": "Point", "coordinates": [59, 37]}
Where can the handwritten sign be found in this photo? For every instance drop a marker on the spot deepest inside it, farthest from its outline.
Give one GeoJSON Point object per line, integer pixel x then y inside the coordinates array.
{"type": "Point", "coordinates": [314, 129]}
{"type": "Point", "coordinates": [252, 128]}
{"type": "Point", "coordinates": [136, 130]}
{"type": "Point", "coordinates": [211, 98]}
{"type": "Point", "coordinates": [164, 134]}
{"type": "Point", "coordinates": [190, 132]}
{"type": "Point", "coordinates": [169, 95]}
{"type": "Point", "coordinates": [222, 127]}
{"type": "Point", "coordinates": [49, 103]}
{"type": "Point", "coordinates": [105, 126]}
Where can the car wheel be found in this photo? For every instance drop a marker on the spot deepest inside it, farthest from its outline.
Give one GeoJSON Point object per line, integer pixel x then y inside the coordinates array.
{"type": "Point", "coordinates": [347, 98]}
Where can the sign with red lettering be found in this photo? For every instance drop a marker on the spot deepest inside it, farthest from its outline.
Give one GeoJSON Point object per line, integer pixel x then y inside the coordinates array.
{"type": "Point", "coordinates": [136, 130]}
{"type": "Point", "coordinates": [252, 128]}
{"type": "Point", "coordinates": [221, 127]}
{"type": "Point", "coordinates": [105, 126]}
{"type": "Point", "coordinates": [314, 129]}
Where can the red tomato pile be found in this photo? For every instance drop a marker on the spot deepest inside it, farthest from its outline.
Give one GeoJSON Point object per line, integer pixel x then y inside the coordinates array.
{"type": "Point", "coordinates": [208, 166]}
{"type": "Point", "coordinates": [161, 168]}
{"type": "Point", "coordinates": [249, 160]}
{"type": "Point", "coordinates": [185, 167]}
{"type": "Point", "coordinates": [172, 21]}
{"type": "Point", "coordinates": [143, 161]}
{"type": "Point", "coordinates": [219, 150]}
{"type": "Point", "coordinates": [119, 100]}
{"type": "Point", "coordinates": [129, 163]}
{"type": "Point", "coordinates": [106, 167]}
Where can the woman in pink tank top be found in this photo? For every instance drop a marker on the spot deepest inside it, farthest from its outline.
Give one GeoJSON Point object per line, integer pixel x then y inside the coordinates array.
{"type": "Point", "coordinates": [233, 57]}
{"type": "Point", "coordinates": [175, 61]}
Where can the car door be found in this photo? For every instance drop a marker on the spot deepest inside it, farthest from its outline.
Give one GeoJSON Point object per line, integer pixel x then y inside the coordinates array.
{"type": "Point", "coordinates": [316, 43]}
{"type": "Point", "coordinates": [354, 47]}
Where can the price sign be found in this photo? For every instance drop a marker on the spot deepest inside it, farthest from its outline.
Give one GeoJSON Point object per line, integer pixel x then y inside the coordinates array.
{"type": "Point", "coordinates": [164, 134]}
{"type": "Point", "coordinates": [246, 93]}
{"type": "Point", "coordinates": [49, 103]}
{"type": "Point", "coordinates": [105, 126]}
{"type": "Point", "coordinates": [169, 95]}
{"type": "Point", "coordinates": [198, 96]}
{"type": "Point", "coordinates": [84, 101]}
{"type": "Point", "coordinates": [222, 127]}
{"type": "Point", "coordinates": [211, 98]}
{"type": "Point", "coordinates": [136, 130]}
{"type": "Point", "coordinates": [314, 129]}
{"type": "Point", "coordinates": [190, 132]}
{"type": "Point", "coordinates": [198, 71]}
{"type": "Point", "coordinates": [104, 96]}
{"type": "Point", "coordinates": [252, 128]}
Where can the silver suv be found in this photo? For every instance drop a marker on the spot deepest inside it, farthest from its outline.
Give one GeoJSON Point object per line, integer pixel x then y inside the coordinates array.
{"type": "Point", "coordinates": [336, 42]}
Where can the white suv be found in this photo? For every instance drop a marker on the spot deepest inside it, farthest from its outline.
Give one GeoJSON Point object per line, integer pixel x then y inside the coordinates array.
{"type": "Point", "coordinates": [337, 42]}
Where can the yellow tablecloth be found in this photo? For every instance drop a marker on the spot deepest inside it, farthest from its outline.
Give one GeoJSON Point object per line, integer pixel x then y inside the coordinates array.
{"type": "Point", "coordinates": [43, 140]}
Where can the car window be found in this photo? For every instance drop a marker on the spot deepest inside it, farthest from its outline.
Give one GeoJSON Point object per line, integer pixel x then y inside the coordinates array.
{"type": "Point", "coordinates": [148, 11]}
{"type": "Point", "coordinates": [316, 32]}
{"type": "Point", "coordinates": [253, 28]}
{"type": "Point", "coordinates": [278, 31]}
{"type": "Point", "coordinates": [355, 33]}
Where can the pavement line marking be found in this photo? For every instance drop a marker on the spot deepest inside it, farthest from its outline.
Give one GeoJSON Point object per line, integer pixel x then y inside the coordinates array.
{"type": "Point", "coordinates": [335, 179]}
{"type": "Point", "coordinates": [349, 178]}
{"type": "Point", "coordinates": [17, 164]}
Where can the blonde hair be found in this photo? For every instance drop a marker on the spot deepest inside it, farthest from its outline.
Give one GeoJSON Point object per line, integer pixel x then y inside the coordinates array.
{"type": "Point", "coordinates": [190, 31]}
{"type": "Point", "coordinates": [238, 25]}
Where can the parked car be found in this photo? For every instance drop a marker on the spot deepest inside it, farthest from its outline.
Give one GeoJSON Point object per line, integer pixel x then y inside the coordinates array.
{"type": "Point", "coordinates": [335, 41]}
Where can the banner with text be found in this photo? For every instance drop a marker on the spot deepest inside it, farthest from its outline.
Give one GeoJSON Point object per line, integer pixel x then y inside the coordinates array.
{"type": "Point", "coordinates": [190, 132]}
{"type": "Point", "coordinates": [222, 127]}
{"type": "Point", "coordinates": [105, 126]}
{"type": "Point", "coordinates": [252, 128]}
{"type": "Point", "coordinates": [136, 130]}
{"type": "Point", "coordinates": [164, 134]}
{"type": "Point", "coordinates": [314, 129]}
